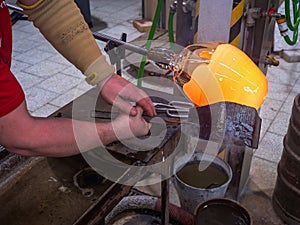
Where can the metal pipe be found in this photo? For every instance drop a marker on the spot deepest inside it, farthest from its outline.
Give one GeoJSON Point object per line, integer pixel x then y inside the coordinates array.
{"type": "Point", "coordinates": [117, 42]}
{"type": "Point", "coordinates": [14, 8]}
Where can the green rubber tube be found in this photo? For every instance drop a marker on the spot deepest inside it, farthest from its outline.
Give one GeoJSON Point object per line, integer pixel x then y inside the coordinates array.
{"type": "Point", "coordinates": [295, 25]}
{"type": "Point", "coordinates": [170, 26]}
{"type": "Point", "coordinates": [149, 42]}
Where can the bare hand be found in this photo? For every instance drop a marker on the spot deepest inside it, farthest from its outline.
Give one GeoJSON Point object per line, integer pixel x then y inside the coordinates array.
{"type": "Point", "coordinates": [126, 126]}
{"type": "Point", "coordinates": [116, 90]}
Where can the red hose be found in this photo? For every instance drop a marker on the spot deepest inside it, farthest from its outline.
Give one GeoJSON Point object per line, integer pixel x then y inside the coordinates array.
{"type": "Point", "coordinates": [176, 213]}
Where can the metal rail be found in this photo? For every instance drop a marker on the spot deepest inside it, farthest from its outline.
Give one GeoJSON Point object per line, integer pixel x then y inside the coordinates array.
{"type": "Point", "coordinates": [14, 8]}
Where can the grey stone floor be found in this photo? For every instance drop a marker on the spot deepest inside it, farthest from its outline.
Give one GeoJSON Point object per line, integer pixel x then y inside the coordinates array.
{"type": "Point", "coordinates": [50, 82]}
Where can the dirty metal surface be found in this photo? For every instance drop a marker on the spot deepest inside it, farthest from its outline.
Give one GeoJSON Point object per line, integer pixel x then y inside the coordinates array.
{"type": "Point", "coordinates": [233, 123]}
{"type": "Point", "coordinates": [45, 194]}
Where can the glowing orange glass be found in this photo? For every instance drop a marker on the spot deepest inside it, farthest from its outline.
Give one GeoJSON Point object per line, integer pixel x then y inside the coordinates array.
{"type": "Point", "coordinates": [223, 73]}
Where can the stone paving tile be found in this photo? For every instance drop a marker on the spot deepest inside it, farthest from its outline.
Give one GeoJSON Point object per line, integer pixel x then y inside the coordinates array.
{"type": "Point", "coordinates": [17, 66]}
{"type": "Point", "coordinates": [47, 47]}
{"type": "Point", "coordinates": [28, 27]}
{"type": "Point", "coordinates": [296, 87]}
{"type": "Point", "coordinates": [67, 97]}
{"type": "Point", "coordinates": [27, 80]}
{"type": "Point", "coordinates": [127, 13]}
{"type": "Point", "coordinates": [119, 29]}
{"type": "Point", "coordinates": [37, 37]}
{"type": "Point", "coordinates": [84, 86]}
{"type": "Point", "coordinates": [19, 35]}
{"type": "Point", "coordinates": [258, 197]}
{"type": "Point", "coordinates": [133, 9]}
{"type": "Point", "coordinates": [270, 148]}
{"type": "Point", "coordinates": [265, 124]}
{"type": "Point", "coordinates": [45, 69]}
{"type": "Point", "coordinates": [281, 76]}
{"type": "Point", "coordinates": [34, 55]}
{"type": "Point", "coordinates": [113, 7]}
{"type": "Point", "coordinates": [58, 58]}
{"type": "Point", "coordinates": [22, 46]}
{"type": "Point", "coordinates": [288, 103]}
{"type": "Point", "coordinates": [270, 108]}
{"type": "Point", "coordinates": [73, 71]}
{"type": "Point", "coordinates": [59, 83]}
{"type": "Point", "coordinates": [279, 91]}
{"type": "Point", "coordinates": [37, 97]}
{"type": "Point", "coordinates": [280, 123]}
{"type": "Point", "coordinates": [45, 110]}
{"type": "Point", "coordinates": [263, 174]}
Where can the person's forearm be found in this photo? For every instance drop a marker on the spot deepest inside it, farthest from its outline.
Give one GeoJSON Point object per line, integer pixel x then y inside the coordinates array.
{"type": "Point", "coordinates": [65, 137]}
{"type": "Point", "coordinates": [56, 137]}
{"type": "Point", "coordinates": [23, 134]}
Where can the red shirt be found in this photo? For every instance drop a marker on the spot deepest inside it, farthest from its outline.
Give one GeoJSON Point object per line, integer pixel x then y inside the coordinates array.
{"type": "Point", "coordinates": [11, 93]}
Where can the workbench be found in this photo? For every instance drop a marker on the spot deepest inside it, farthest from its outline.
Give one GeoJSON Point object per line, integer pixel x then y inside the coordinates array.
{"type": "Point", "coordinates": [48, 185]}
{"type": "Point", "coordinates": [42, 191]}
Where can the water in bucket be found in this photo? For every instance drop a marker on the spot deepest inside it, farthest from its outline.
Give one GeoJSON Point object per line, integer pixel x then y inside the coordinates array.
{"type": "Point", "coordinates": [221, 212]}
{"type": "Point", "coordinates": [213, 176]}
{"type": "Point", "coordinates": [195, 185]}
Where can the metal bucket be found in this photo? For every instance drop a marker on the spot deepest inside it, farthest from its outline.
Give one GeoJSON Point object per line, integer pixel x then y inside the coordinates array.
{"type": "Point", "coordinates": [286, 195]}
{"type": "Point", "coordinates": [221, 211]}
{"type": "Point", "coordinates": [200, 177]}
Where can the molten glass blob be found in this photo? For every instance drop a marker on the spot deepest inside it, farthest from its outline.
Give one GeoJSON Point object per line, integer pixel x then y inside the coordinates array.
{"type": "Point", "coordinates": [213, 72]}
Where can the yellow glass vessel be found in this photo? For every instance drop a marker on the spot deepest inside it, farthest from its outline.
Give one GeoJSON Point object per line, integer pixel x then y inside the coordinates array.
{"type": "Point", "coordinates": [217, 72]}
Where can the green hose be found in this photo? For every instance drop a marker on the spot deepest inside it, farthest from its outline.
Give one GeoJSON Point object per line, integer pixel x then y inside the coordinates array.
{"type": "Point", "coordinates": [149, 42]}
{"type": "Point", "coordinates": [292, 26]}
{"type": "Point", "coordinates": [294, 40]}
{"type": "Point", "coordinates": [170, 26]}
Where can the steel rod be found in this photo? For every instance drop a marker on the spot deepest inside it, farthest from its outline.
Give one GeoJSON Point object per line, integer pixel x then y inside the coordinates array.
{"type": "Point", "coordinates": [14, 8]}
{"type": "Point", "coordinates": [117, 42]}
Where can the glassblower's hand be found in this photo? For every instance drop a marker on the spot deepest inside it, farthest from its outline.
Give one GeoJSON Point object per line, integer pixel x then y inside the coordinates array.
{"type": "Point", "coordinates": [116, 90]}
{"type": "Point", "coordinates": [126, 126]}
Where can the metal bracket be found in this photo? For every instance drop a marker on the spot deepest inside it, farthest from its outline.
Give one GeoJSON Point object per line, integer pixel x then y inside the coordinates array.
{"type": "Point", "coordinates": [116, 53]}
{"type": "Point", "coordinates": [252, 14]}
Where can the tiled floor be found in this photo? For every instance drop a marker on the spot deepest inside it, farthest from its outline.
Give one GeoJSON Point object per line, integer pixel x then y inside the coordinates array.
{"type": "Point", "coordinates": [50, 82]}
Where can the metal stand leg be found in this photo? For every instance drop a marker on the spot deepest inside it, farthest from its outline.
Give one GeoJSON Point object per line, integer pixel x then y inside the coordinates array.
{"type": "Point", "coordinates": [165, 190]}
{"type": "Point", "coordinates": [235, 160]}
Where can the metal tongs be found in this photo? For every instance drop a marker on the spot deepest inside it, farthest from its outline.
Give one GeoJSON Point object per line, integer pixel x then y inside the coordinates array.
{"type": "Point", "coordinates": [174, 108]}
